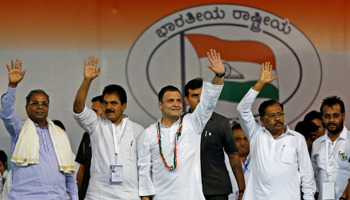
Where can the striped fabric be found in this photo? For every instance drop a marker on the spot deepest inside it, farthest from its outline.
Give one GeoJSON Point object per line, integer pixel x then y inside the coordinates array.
{"type": "Point", "coordinates": [39, 181]}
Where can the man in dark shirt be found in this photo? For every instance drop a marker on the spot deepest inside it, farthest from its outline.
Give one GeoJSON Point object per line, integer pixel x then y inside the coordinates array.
{"type": "Point", "coordinates": [84, 153]}
{"type": "Point", "coordinates": [216, 137]}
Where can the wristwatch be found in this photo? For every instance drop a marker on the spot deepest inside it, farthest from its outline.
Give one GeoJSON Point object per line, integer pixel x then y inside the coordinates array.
{"type": "Point", "coordinates": [241, 191]}
{"type": "Point", "coordinates": [342, 198]}
{"type": "Point", "coordinates": [220, 75]}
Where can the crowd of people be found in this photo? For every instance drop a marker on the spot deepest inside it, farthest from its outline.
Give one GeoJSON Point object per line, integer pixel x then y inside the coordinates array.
{"type": "Point", "coordinates": [189, 155]}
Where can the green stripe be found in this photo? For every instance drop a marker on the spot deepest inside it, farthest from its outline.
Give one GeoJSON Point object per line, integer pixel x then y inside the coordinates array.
{"type": "Point", "coordinates": [235, 91]}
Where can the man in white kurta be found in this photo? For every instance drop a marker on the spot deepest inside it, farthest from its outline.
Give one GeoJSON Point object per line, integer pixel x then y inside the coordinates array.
{"type": "Point", "coordinates": [184, 182]}
{"type": "Point", "coordinates": [113, 141]}
{"type": "Point", "coordinates": [331, 152]}
{"type": "Point", "coordinates": [280, 163]}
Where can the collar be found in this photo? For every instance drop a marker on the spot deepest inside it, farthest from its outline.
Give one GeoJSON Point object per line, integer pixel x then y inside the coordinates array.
{"type": "Point", "coordinates": [343, 135]}
{"type": "Point", "coordinates": [162, 126]}
{"type": "Point", "coordinates": [288, 131]}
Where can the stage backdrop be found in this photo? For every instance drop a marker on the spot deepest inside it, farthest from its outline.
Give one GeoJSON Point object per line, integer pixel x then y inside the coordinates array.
{"type": "Point", "coordinates": [145, 45]}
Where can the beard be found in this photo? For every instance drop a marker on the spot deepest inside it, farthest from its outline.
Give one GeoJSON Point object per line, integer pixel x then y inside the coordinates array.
{"type": "Point", "coordinates": [338, 128]}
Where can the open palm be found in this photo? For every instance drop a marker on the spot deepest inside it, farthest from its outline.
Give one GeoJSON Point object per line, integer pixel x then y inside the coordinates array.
{"type": "Point", "coordinates": [90, 71]}
{"type": "Point", "coordinates": [15, 72]}
{"type": "Point", "coordinates": [265, 76]}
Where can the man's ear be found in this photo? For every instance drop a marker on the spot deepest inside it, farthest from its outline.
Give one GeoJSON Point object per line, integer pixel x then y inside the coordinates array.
{"type": "Point", "coordinates": [262, 121]}
{"type": "Point", "coordinates": [344, 117]}
{"type": "Point", "coordinates": [124, 106]}
{"type": "Point", "coordinates": [160, 105]}
{"type": "Point", "coordinates": [186, 100]}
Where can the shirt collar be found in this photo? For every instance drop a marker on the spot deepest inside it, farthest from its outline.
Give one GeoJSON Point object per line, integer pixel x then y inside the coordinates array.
{"type": "Point", "coordinates": [162, 126]}
{"type": "Point", "coordinates": [288, 131]}
{"type": "Point", "coordinates": [343, 135]}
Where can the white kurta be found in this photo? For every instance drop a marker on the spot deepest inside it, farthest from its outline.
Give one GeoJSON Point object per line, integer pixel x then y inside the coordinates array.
{"type": "Point", "coordinates": [103, 155]}
{"type": "Point", "coordinates": [235, 191]}
{"type": "Point", "coordinates": [278, 167]}
{"type": "Point", "coordinates": [184, 182]}
{"type": "Point", "coordinates": [338, 164]}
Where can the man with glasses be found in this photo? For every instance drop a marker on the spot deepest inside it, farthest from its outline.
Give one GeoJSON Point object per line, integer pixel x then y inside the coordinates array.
{"type": "Point", "coordinates": [42, 163]}
{"type": "Point", "coordinates": [280, 162]}
{"type": "Point", "coordinates": [331, 152]}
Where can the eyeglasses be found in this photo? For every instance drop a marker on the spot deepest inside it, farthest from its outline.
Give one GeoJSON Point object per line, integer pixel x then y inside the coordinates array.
{"type": "Point", "coordinates": [273, 116]}
{"type": "Point", "coordinates": [335, 115]}
{"type": "Point", "coordinates": [36, 103]}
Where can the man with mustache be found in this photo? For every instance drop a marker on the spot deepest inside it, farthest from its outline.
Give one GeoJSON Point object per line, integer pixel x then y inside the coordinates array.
{"type": "Point", "coordinates": [113, 141]}
{"type": "Point", "coordinates": [169, 150]}
{"type": "Point", "coordinates": [280, 162]}
{"type": "Point", "coordinates": [331, 152]}
{"type": "Point", "coordinates": [242, 144]}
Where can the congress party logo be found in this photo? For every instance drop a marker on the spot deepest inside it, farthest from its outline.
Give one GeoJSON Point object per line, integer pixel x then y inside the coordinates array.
{"type": "Point", "coordinates": [172, 51]}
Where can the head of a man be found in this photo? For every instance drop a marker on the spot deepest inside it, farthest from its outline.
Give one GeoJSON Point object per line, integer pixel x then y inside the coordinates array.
{"type": "Point", "coordinates": [3, 162]}
{"type": "Point", "coordinates": [309, 130]}
{"type": "Point", "coordinates": [316, 118]}
{"type": "Point", "coordinates": [37, 106]}
{"type": "Point", "coordinates": [97, 105]}
{"type": "Point", "coordinates": [241, 140]}
{"type": "Point", "coordinates": [333, 114]}
{"type": "Point", "coordinates": [169, 102]}
{"type": "Point", "coordinates": [272, 116]}
{"type": "Point", "coordinates": [193, 90]}
{"type": "Point", "coordinates": [114, 103]}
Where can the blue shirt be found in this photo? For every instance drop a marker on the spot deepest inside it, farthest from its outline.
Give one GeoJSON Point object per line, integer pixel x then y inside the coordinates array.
{"type": "Point", "coordinates": [39, 181]}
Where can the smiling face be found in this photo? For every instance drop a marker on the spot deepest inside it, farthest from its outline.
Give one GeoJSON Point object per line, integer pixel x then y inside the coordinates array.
{"type": "Point", "coordinates": [171, 106]}
{"type": "Point", "coordinates": [38, 109]}
{"type": "Point", "coordinates": [112, 108]}
{"type": "Point", "coordinates": [333, 118]}
{"type": "Point", "coordinates": [273, 124]}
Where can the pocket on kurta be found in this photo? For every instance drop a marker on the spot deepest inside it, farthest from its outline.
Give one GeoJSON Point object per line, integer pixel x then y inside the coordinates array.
{"type": "Point", "coordinates": [288, 155]}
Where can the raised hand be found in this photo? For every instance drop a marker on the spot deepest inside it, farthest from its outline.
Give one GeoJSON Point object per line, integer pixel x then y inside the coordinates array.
{"type": "Point", "coordinates": [216, 63]}
{"type": "Point", "coordinates": [90, 68]}
{"type": "Point", "coordinates": [265, 76]}
{"type": "Point", "coordinates": [15, 73]}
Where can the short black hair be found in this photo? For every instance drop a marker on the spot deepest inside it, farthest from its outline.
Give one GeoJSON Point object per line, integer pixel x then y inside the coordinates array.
{"type": "Point", "coordinates": [31, 93]}
{"type": "Point", "coordinates": [59, 124]}
{"type": "Point", "coordinates": [3, 157]}
{"type": "Point", "coordinates": [306, 128]}
{"type": "Point", "coordinates": [266, 104]}
{"type": "Point", "coordinates": [168, 88]}
{"type": "Point", "coordinates": [331, 101]}
{"type": "Point", "coordinates": [193, 84]}
{"type": "Point", "coordinates": [236, 126]}
{"type": "Point", "coordinates": [117, 90]}
{"type": "Point", "coordinates": [313, 115]}
{"type": "Point", "coordinates": [97, 98]}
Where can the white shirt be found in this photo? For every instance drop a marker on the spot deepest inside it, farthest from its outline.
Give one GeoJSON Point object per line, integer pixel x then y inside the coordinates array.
{"type": "Point", "coordinates": [338, 164]}
{"type": "Point", "coordinates": [278, 167]}
{"type": "Point", "coordinates": [184, 182]}
{"type": "Point", "coordinates": [103, 155]}
{"type": "Point", "coordinates": [235, 190]}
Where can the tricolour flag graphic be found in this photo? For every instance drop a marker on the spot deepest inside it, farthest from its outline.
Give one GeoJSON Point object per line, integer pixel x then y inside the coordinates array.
{"type": "Point", "coordinates": [251, 52]}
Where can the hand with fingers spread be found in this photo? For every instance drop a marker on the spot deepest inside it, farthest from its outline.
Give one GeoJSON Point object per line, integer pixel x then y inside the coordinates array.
{"type": "Point", "coordinates": [15, 73]}
{"type": "Point", "coordinates": [90, 69]}
{"type": "Point", "coordinates": [265, 76]}
{"type": "Point", "coordinates": [216, 64]}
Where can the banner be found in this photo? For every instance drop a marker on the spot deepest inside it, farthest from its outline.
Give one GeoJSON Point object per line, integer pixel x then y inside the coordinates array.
{"type": "Point", "coordinates": [145, 45]}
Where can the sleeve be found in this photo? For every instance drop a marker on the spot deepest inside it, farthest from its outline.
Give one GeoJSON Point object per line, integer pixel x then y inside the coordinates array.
{"type": "Point", "coordinates": [209, 98]}
{"type": "Point", "coordinates": [146, 186]}
{"type": "Point", "coordinates": [87, 120]}
{"type": "Point", "coordinates": [71, 185]}
{"type": "Point", "coordinates": [245, 115]}
{"type": "Point", "coordinates": [80, 155]}
{"type": "Point", "coordinates": [314, 166]}
{"type": "Point", "coordinates": [7, 112]}
{"type": "Point", "coordinates": [228, 140]}
{"type": "Point", "coordinates": [308, 185]}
